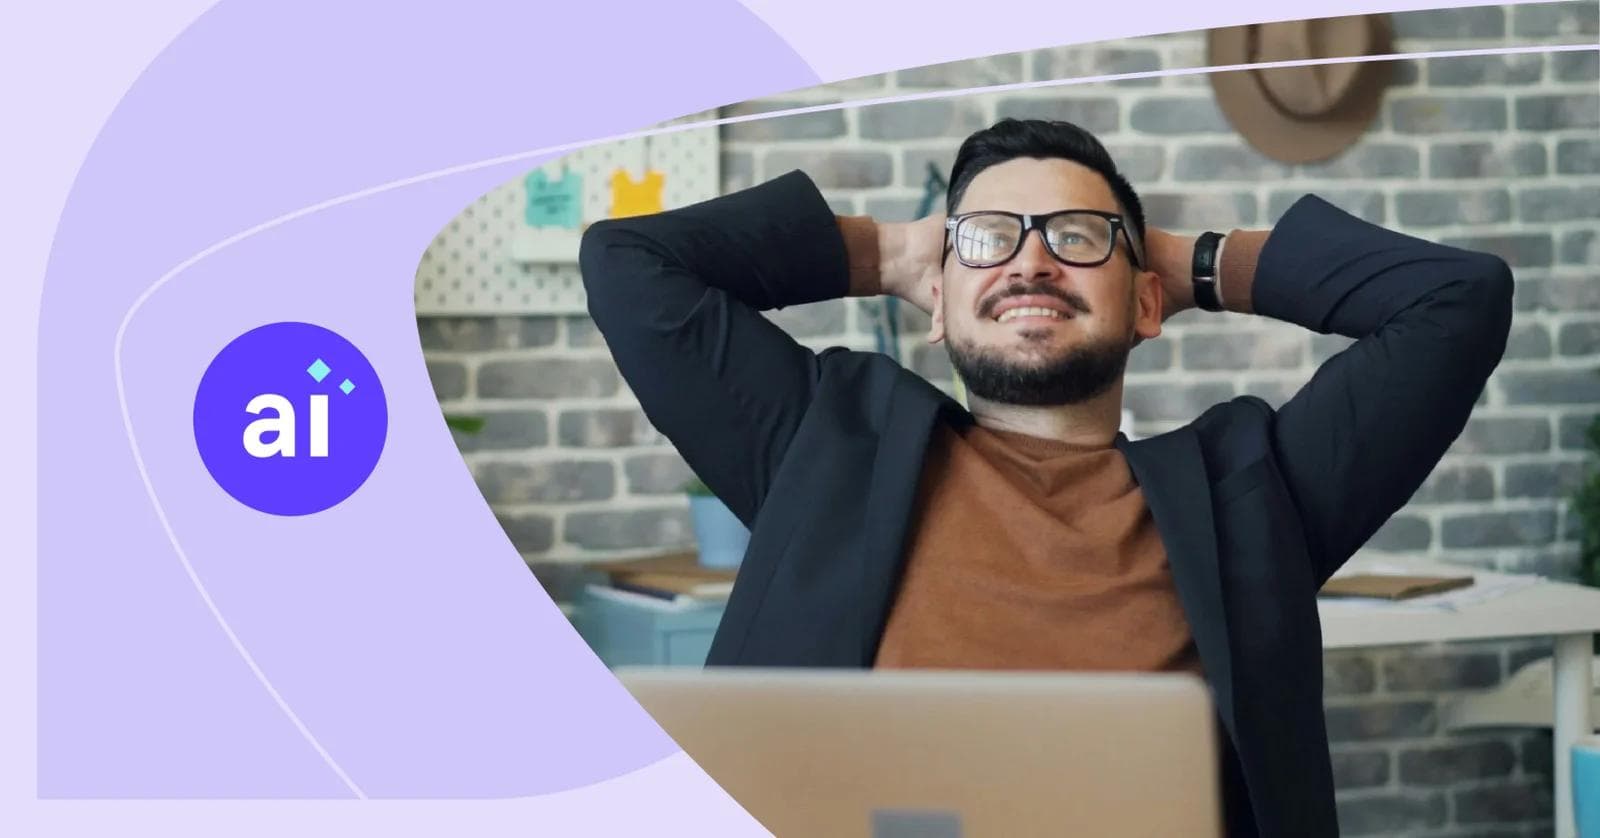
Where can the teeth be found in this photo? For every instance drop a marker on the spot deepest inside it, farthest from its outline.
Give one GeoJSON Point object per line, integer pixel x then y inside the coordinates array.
{"type": "Point", "coordinates": [1028, 311]}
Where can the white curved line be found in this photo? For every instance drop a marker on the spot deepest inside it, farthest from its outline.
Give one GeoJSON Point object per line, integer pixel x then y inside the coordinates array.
{"type": "Point", "coordinates": [122, 329]}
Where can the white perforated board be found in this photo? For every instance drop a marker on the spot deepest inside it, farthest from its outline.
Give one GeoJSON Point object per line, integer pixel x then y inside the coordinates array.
{"type": "Point", "coordinates": [471, 265]}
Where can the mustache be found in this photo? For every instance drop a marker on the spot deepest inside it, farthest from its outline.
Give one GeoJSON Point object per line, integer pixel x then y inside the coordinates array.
{"type": "Point", "coordinates": [1023, 289]}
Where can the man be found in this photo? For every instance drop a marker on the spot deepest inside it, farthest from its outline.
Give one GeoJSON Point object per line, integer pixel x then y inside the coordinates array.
{"type": "Point", "coordinates": [891, 527]}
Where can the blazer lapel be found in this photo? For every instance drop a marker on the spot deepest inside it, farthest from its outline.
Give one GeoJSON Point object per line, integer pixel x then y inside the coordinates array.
{"type": "Point", "coordinates": [1171, 474]}
{"type": "Point", "coordinates": [914, 407]}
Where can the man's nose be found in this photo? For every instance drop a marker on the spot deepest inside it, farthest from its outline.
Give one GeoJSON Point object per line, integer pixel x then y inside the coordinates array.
{"type": "Point", "coordinates": [1034, 259]}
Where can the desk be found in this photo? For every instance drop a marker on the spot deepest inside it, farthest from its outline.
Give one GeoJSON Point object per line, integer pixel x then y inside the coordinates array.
{"type": "Point", "coordinates": [1569, 614]}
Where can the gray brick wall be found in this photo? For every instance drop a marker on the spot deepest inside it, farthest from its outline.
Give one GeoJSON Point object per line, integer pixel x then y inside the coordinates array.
{"type": "Point", "coordinates": [1492, 153]}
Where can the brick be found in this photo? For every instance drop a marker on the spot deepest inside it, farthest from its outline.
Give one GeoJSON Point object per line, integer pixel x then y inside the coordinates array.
{"type": "Point", "coordinates": [842, 205]}
{"type": "Point", "coordinates": [1157, 402]}
{"type": "Point", "coordinates": [1407, 72]}
{"type": "Point", "coordinates": [1558, 203]}
{"type": "Point", "coordinates": [1448, 671]}
{"type": "Point", "coordinates": [545, 482]}
{"type": "Point", "coordinates": [916, 165]}
{"type": "Point", "coordinates": [1324, 347]}
{"type": "Point", "coordinates": [1434, 114]}
{"type": "Point", "coordinates": [976, 72]}
{"type": "Point", "coordinates": [1528, 341]}
{"type": "Point", "coordinates": [1071, 62]}
{"type": "Point", "coordinates": [1274, 391]}
{"type": "Point", "coordinates": [631, 529]}
{"type": "Point", "coordinates": [548, 378]}
{"type": "Point", "coordinates": [918, 120]}
{"type": "Point", "coordinates": [1557, 294]}
{"type": "Point", "coordinates": [476, 334]}
{"type": "Point", "coordinates": [1575, 66]}
{"type": "Point", "coordinates": [505, 430]}
{"type": "Point", "coordinates": [1170, 116]}
{"type": "Point", "coordinates": [816, 125]}
{"type": "Point", "coordinates": [932, 363]}
{"type": "Point", "coordinates": [529, 533]}
{"type": "Point", "coordinates": [1401, 533]}
{"type": "Point", "coordinates": [1348, 673]}
{"type": "Point", "coordinates": [449, 379]}
{"type": "Point", "coordinates": [1544, 480]}
{"type": "Point", "coordinates": [1443, 766]}
{"type": "Point", "coordinates": [1518, 528]}
{"type": "Point", "coordinates": [1369, 160]}
{"type": "Point", "coordinates": [583, 334]}
{"type": "Point", "coordinates": [897, 209]}
{"type": "Point", "coordinates": [811, 320]}
{"type": "Point", "coordinates": [656, 474]}
{"type": "Point", "coordinates": [606, 428]}
{"type": "Point", "coordinates": [1578, 157]}
{"type": "Point", "coordinates": [1243, 351]}
{"type": "Point", "coordinates": [1475, 70]}
{"type": "Point", "coordinates": [1537, 750]}
{"type": "Point", "coordinates": [1360, 769]}
{"type": "Point", "coordinates": [1097, 115]}
{"type": "Point", "coordinates": [1139, 163]}
{"type": "Point", "coordinates": [564, 581]}
{"type": "Point", "coordinates": [1225, 162]}
{"type": "Point", "coordinates": [1580, 386]}
{"type": "Point", "coordinates": [1519, 250]}
{"type": "Point", "coordinates": [1456, 483]}
{"type": "Point", "coordinates": [1503, 435]}
{"type": "Point", "coordinates": [1553, 112]}
{"type": "Point", "coordinates": [1573, 431]}
{"type": "Point", "coordinates": [1432, 209]}
{"type": "Point", "coordinates": [834, 169]}
{"type": "Point", "coordinates": [1151, 356]}
{"type": "Point", "coordinates": [1523, 801]}
{"type": "Point", "coordinates": [738, 169]}
{"type": "Point", "coordinates": [1482, 22]}
{"type": "Point", "coordinates": [1391, 814]}
{"type": "Point", "coordinates": [1485, 160]}
{"type": "Point", "coordinates": [1207, 210]}
{"type": "Point", "coordinates": [1559, 562]}
{"type": "Point", "coordinates": [1554, 19]}
{"type": "Point", "coordinates": [1365, 204]}
{"type": "Point", "coordinates": [1580, 338]}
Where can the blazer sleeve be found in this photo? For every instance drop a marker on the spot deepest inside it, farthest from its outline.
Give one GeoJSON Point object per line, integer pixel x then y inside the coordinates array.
{"type": "Point", "coordinates": [1356, 442]}
{"type": "Point", "coordinates": [677, 297]}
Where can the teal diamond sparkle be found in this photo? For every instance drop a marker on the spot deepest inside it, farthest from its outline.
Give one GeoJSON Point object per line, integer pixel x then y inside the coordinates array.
{"type": "Point", "coordinates": [318, 370]}
{"type": "Point", "coordinates": [347, 385]}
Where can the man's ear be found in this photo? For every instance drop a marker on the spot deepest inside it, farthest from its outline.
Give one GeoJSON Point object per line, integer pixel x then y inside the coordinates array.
{"type": "Point", "coordinates": [1149, 303]}
{"type": "Point", "coordinates": [936, 331]}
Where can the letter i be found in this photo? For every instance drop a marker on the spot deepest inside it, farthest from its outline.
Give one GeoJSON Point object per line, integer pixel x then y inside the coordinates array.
{"type": "Point", "coordinates": [319, 425]}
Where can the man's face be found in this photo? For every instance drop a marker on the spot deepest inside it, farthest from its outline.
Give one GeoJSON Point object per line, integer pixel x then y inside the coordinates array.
{"type": "Point", "coordinates": [1069, 329]}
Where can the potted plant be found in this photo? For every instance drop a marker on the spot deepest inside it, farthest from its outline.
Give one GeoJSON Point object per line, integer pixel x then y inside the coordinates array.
{"type": "Point", "coordinates": [721, 537]}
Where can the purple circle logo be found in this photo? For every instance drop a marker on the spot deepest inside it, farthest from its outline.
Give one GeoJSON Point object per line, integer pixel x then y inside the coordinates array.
{"type": "Point", "coordinates": [290, 418]}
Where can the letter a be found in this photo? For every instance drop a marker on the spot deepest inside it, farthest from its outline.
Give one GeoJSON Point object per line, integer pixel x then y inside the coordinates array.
{"type": "Point", "coordinates": [282, 425]}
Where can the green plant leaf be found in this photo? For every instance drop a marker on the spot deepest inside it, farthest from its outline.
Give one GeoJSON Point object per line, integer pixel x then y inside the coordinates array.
{"type": "Point", "coordinates": [464, 424]}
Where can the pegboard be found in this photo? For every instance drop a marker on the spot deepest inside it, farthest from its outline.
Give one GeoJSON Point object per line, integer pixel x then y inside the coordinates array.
{"type": "Point", "coordinates": [478, 264]}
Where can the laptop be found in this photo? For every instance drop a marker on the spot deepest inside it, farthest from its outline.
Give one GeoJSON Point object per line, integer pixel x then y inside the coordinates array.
{"type": "Point", "coordinates": [930, 754]}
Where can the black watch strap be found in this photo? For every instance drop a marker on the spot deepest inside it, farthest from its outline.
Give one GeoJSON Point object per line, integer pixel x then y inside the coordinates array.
{"type": "Point", "coordinates": [1204, 271]}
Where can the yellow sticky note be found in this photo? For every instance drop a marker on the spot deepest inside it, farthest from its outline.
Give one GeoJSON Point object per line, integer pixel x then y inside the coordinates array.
{"type": "Point", "coordinates": [642, 198]}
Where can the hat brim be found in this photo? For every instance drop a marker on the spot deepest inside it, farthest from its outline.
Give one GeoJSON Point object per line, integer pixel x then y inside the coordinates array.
{"type": "Point", "coordinates": [1278, 135]}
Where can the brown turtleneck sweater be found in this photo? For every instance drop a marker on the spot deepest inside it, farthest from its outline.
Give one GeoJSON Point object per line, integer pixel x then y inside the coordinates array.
{"type": "Point", "coordinates": [1029, 553]}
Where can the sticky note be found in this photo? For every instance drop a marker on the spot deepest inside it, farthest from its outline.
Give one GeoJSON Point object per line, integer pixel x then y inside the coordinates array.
{"type": "Point", "coordinates": [554, 203]}
{"type": "Point", "coordinates": [631, 198]}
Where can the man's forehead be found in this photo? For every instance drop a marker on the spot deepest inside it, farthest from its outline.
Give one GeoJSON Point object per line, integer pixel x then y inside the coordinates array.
{"type": "Point", "coordinates": [1031, 185]}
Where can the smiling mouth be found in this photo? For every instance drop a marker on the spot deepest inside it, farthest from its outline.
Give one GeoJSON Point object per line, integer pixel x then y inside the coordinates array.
{"type": "Point", "coordinates": [1031, 311]}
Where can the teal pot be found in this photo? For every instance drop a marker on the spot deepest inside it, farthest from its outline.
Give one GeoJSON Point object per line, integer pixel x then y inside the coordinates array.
{"type": "Point", "coordinates": [721, 537]}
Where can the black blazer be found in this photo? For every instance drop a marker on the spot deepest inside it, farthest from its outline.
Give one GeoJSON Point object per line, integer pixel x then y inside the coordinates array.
{"type": "Point", "coordinates": [820, 453]}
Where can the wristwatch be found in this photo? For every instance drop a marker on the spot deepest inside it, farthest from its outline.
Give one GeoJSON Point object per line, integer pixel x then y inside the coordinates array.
{"type": "Point", "coordinates": [1204, 271]}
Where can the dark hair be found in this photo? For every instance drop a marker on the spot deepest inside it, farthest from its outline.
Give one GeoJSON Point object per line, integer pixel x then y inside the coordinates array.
{"type": "Point", "coordinates": [1009, 139]}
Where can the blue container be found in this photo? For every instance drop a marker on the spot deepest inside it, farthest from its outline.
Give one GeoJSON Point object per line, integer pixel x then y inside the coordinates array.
{"type": "Point", "coordinates": [1586, 786]}
{"type": "Point", "coordinates": [722, 538]}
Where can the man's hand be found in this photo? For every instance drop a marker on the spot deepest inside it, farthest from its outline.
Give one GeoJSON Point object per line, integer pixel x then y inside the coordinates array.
{"type": "Point", "coordinates": [909, 259]}
{"type": "Point", "coordinates": [1170, 257]}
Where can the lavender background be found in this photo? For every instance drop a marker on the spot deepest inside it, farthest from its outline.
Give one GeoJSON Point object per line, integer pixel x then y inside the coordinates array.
{"type": "Point", "coordinates": [424, 665]}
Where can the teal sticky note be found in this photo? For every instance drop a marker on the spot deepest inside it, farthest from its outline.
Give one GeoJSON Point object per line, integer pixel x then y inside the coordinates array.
{"type": "Point", "coordinates": [554, 203]}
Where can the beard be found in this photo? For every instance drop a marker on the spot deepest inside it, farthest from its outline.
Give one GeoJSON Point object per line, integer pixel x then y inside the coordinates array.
{"type": "Point", "coordinates": [1074, 376]}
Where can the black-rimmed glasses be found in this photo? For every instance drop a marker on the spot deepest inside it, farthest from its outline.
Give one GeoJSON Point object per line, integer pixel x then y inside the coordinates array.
{"type": "Point", "coordinates": [1079, 237]}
